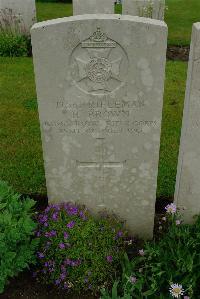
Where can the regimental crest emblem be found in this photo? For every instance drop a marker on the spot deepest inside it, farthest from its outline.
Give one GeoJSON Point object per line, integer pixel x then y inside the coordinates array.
{"type": "Point", "coordinates": [98, 40]}
{"type": "Point", "coordinates": [99, 64]}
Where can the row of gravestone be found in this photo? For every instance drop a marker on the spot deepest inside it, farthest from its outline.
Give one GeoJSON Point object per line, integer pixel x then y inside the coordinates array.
{"type": "Point", "coordinates": [24, 12]}
{"type": "Point", "coordinates": [100, 81]}
{"type": "Point", "coordinates": [143, 8]}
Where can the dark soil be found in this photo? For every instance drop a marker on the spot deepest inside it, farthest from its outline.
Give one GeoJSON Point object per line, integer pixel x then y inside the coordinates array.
{"type": "Point", "coordinates": [26, 287]}
{"type": "Point", "coordinates": [178, 53]}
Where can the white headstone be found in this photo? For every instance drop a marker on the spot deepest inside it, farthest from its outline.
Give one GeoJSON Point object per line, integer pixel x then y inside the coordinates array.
{"type": "Point", "coordinates": [81, 7]}
{"type": "Point", "coordinates": [187, 183]}
{"type": "Point", "coordinates": [22, 12]}
{"type": "Point", "coordinates": [100, 92]}
{"type": "Point", "coordinates": [154, 9]}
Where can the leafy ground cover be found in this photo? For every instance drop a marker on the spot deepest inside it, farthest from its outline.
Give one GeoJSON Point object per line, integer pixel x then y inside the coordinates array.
{"type": "Point", "coordinates": [180, 16]}
{"type": "Point", "coordinates": [21, 162]}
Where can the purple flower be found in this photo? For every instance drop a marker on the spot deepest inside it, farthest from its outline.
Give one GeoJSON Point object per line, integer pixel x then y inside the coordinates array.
{"type": "Point", "coordinates": [66, 235]}
{"type": "Point", "coordinates": [38, 234]}
{"type": "Point", "coordinates": [55, 216]}
{"type": "Point", "coordinates": [109, 259]}
{"type": "Point", "coordinates": [57, 281]}
{"type": "Point", "coordinates": [63, 269]}
{"type": "Point", "coordinates": [46, 224]}
{"type": "Point", "coordinates": [43, 218]}
{"type": "Point", "coordinates": [73, 264]}
{"type": "Point", "coordinates": [171, 208]}
{"type": "Point", "coordinates": [132, 279]}
{"type": "Point", "coordinates": [63, 276]}
{"type": "Point", "coordinates": [72, 210]}
{"type": "Point", "coordinates": [65, 286]}
{"type": "Point", "coordinates": [120, 234]}
{"type": "Point", "coordinates": [82, 215]}
{"type": "Point", "coordinates": [186, 297]}
{"type": "Point", "coordinates": [61, 246]}
{"type": "Point", "coordinates": [47, 209]}
{"type": "Point", "coordinates": [53, 233]}
{"type": "Point", "coordinates": [40, 255]}
{"type": "Point", "coordinates": [71, 224]}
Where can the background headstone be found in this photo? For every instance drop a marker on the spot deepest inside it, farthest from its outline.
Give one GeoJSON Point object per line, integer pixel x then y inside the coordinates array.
{"type": "Point", "coordinates": [100, 91]}
{"type": "Point", "coordinates": [81, 7]}
{"type": "Point", "coordinates": [187, 193]}
{"type": "Point", "coordinates": [21, 11]}
{"type": "Point", "coordinates": [154, 9]}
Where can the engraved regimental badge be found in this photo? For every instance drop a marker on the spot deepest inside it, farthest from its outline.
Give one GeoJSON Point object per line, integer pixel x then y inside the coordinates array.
{"type": "Point", "coordinates": [99, 65]}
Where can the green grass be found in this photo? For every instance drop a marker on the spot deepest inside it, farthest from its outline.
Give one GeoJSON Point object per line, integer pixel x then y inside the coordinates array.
{"type": "Point", "coordinates": [20, 147]}
{"type": "Point", "coordinates": [180, 16]}
{"type": "Point", "coordinates": [21, 162]}
{"type": "Point", "coordinates": [171, 126]}
{"type": "Point", "coordinates": [48, 11]}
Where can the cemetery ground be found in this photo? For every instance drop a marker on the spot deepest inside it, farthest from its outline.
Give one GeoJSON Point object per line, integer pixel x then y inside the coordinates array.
{"type": "Point", "coordinates": [21, 163]}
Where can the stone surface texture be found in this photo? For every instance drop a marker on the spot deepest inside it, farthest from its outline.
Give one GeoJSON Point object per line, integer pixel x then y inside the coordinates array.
{"type": "Point", "coordinates": [81, 7]}
{"type": "Point", "coordinates": [154, 9]}
{"type": "Point", "coordinates": [100, 93]}
{"type": "Point", "coordinates": [187, 194]}
{"type": "Point", "coordinates": [23, 10]}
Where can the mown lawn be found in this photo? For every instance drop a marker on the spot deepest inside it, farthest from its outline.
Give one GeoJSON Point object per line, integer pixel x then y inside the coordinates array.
{"type": "Point", "coordinates": [180, 15]}
{"type": "Point", "coordinates": [21, 161]}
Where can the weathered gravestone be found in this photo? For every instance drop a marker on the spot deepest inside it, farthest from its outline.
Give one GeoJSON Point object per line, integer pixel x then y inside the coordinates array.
{"type": "Point", "coordinates": [100, 92]}
{"type": "Point", "coordinates": [81, 7]}
{"type": "Point", "coordinates": [154, 9]}
{"type": "Point", "coordinates": [20, 14]}
{"type": "Point", "coordinates": [187, 193]}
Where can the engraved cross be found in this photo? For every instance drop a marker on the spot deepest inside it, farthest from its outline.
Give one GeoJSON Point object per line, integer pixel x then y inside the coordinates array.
{"type": "Point", "coordinates": [101, 165]}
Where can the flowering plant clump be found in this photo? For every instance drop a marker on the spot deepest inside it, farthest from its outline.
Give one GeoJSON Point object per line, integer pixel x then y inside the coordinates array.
{"type": "Point", "coordinates": [167, 267]}
{"type": "Point", "coordinates": [17, 246]}
{"type": "Point", "coordinates": [76, 250]}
